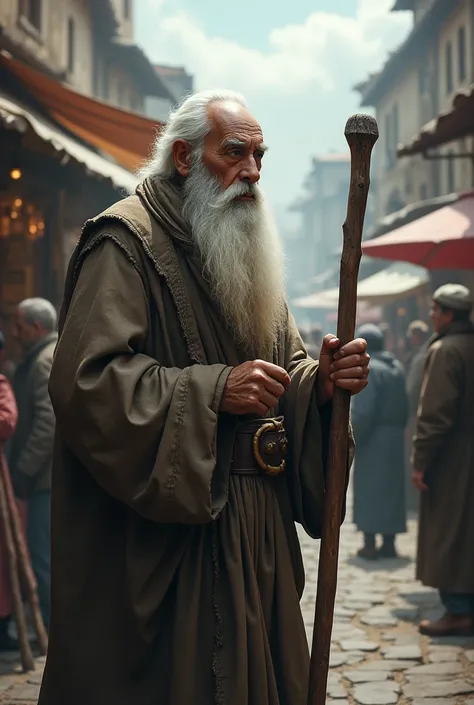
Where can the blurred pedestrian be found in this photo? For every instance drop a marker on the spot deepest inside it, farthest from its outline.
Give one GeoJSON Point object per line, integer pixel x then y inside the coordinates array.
{"type": "Point", "coordinates": [313, 340]}
{"type": "Point", "coordinates": [379, 416]}
{"type": "Point", "coordinates": [31, 452]}
{"type": "Point", "coordinates": [8, 421]}
{"type": "Point", "coordinates": [443, 463]}
{"type": "Point", "coordinates": [418, 335]}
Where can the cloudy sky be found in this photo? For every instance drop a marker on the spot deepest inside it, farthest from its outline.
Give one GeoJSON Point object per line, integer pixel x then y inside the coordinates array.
{"type": "Point", "coordinates": [295, 60]}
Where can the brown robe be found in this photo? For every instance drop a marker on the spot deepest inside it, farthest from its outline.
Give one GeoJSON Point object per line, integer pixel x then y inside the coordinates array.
{"type": "Point", "coordinates": [444, 450]}
{"type": "Point", "coordinates": [173, 582]}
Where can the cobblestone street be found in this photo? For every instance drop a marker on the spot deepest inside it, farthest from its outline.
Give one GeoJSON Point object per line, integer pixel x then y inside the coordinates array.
{"type": "Point", "coordinates": [378, 657]}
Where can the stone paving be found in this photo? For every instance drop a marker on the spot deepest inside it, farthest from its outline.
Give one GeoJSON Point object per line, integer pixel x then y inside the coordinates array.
{"type": "Point", "coordinates": [377, 657]}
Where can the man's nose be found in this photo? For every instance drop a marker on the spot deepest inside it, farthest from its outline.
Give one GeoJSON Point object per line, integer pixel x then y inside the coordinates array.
{"type": "Point", "coordinates": [251, 173]}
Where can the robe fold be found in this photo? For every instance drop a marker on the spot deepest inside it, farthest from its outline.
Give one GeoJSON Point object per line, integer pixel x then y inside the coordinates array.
{"type": "Point", "coordinates": [173, 581]}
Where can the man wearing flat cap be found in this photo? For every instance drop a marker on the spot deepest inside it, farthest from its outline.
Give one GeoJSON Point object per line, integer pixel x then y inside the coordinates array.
{"type": "Point", "coordinates": [443, 463]}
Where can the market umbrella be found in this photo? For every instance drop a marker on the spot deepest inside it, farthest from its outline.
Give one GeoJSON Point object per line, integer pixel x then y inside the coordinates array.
{"type": "Point", "coordinates": [441, 240]}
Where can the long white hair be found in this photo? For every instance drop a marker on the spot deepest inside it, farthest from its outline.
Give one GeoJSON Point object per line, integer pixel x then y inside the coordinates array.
{"type": "Point", "coordinates": [188, 122]}
{"type": "Point", "coordinates": [239, 244]}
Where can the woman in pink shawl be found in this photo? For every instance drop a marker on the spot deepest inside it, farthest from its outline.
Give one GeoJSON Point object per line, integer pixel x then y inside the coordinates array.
{"type": "Point", "coordinates": [8, 419]}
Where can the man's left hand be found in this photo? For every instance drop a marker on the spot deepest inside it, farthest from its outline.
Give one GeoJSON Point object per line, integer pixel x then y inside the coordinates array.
{"type": "Point", "coordinates": [346, 367]}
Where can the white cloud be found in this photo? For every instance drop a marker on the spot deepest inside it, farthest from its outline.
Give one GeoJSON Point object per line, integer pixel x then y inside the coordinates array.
{"type": "Point", "coordinates": [318, 53]}
{"type": "Point", "coordinates": [300, 87]}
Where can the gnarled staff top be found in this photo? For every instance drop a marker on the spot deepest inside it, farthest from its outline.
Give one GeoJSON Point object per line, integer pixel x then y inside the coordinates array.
{"type": "Point", "coordinates": [361, 124]}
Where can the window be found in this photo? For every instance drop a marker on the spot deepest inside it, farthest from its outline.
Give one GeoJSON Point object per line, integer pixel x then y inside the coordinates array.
{"type": "Point", "coordinates": [95, 70]}
{"type": "Point", "coordinates": [120, 94]}
{"type": "Point", "coordinates": [395, 202]}
{"type": "Point", "coordinates": [450, 169]}
{"type": "Point", "coordinates": [388, 142]}
{"type": "Point", "coordinates": [391, 137]}
{"type": "Point", "coordinates": [422, 79]}
{"type": "Point", "coordinates": [449, 67]}
{"type": "Point", "coordinates": [136, 103]}
{"type": "Point", "coordinates": [105, 81]}
{"type": "Point", "coordinates": [396, 135]}
{"type": "Point", "coordinates": [70, 45]}
{"type": "Point", "coordinates": [31, 11]}
{"type": "Point", "coordinates": [126, 9]}
{"type": "Point", "coordinates": [462, 54]}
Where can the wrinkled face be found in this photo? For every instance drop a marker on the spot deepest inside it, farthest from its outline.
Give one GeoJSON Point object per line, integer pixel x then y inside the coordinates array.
{"type": "Point", "coordinates": [440, 319]}
{"type": "Point", "coordinates": [233, 228]}
{"type": "Point", "coordinates": [234, 148]}
{"type": "Point", "coordinates": [26, 334]}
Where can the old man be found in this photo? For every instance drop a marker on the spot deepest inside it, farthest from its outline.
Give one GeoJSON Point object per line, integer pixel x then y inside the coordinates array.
{"type": "Point", "coordinates": [177, 571]}
{"type": "Point", "coordinates": [31, 453]}
{"type": "Point", "coordinates": [443, 463]}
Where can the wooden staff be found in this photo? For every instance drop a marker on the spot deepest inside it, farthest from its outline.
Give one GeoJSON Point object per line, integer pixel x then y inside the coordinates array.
{"type": "Point", "coordinates": [361, 134]}
{"type": "Point", "coordinates": [26, 655]}
{"type": "Point", "coordinates": [23, 559]}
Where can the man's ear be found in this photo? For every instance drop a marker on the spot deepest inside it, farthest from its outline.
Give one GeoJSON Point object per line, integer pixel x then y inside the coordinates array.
{"type": "Point", "coordinates": [182, 157]}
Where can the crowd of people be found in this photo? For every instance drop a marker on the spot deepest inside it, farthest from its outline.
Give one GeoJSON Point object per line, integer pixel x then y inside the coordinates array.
{"type": "Point", "coordinates": [415, 421]}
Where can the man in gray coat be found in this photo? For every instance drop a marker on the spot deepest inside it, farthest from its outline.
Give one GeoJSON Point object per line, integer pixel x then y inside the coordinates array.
{"type": "Point", "coordinates": [443, 463]}
{"type": "Point", "coordinates": [31, 452]}
{"type": "Point", "coordinates": [379, 417]}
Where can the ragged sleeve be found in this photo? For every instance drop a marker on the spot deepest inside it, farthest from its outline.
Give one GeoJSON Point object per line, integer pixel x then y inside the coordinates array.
{"type": "Point", "coordinates": [308, 428]}
{"type": "Point", "coordinates": [147, 433]}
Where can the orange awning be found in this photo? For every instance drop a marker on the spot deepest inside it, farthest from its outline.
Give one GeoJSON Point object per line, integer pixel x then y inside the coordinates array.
{"type": "Point", "coordinates": [127, 137]}
{"type": "Point", "coordinates": [57, 142]}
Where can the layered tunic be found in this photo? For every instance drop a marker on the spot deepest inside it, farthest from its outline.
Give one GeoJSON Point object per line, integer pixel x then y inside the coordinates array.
{"type": "Point", "coordinates": [174, 582]}
{"type": "Point", "coordinates": [443, 449]}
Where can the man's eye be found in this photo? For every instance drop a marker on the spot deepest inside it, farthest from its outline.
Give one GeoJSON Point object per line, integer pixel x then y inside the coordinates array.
{"type": "Point", "coordinates": [237, 152]}
{"type": "Point", "coordinates": [259, 155]}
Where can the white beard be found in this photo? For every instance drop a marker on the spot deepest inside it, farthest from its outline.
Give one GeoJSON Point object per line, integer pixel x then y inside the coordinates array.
{"type": "Point", "coordinates": [242, 256]}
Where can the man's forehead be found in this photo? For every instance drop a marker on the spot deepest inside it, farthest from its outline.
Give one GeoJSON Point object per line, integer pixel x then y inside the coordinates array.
{"type": "Point", "coordinates": [230, 119]}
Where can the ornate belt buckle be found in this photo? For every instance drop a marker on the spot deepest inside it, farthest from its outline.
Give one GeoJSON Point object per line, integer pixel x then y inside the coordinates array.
{"type": "Point", "coordinates": [270, 447]}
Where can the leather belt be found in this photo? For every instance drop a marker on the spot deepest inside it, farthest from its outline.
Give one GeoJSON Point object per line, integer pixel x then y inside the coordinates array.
{"type": "Point", "coordinates": [260, 447]}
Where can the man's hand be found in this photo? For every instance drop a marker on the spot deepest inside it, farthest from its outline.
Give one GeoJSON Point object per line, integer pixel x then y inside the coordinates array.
{"type": "Point", "coordinates": [253, 388]}
{"type": "Point", "coordinates": [418, 480]}
{"type": "Point", "coordinates": [347, 368]}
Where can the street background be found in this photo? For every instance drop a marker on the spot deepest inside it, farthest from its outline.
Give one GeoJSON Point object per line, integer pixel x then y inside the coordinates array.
{"type": "Point", "coordinates": [85, 85]}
